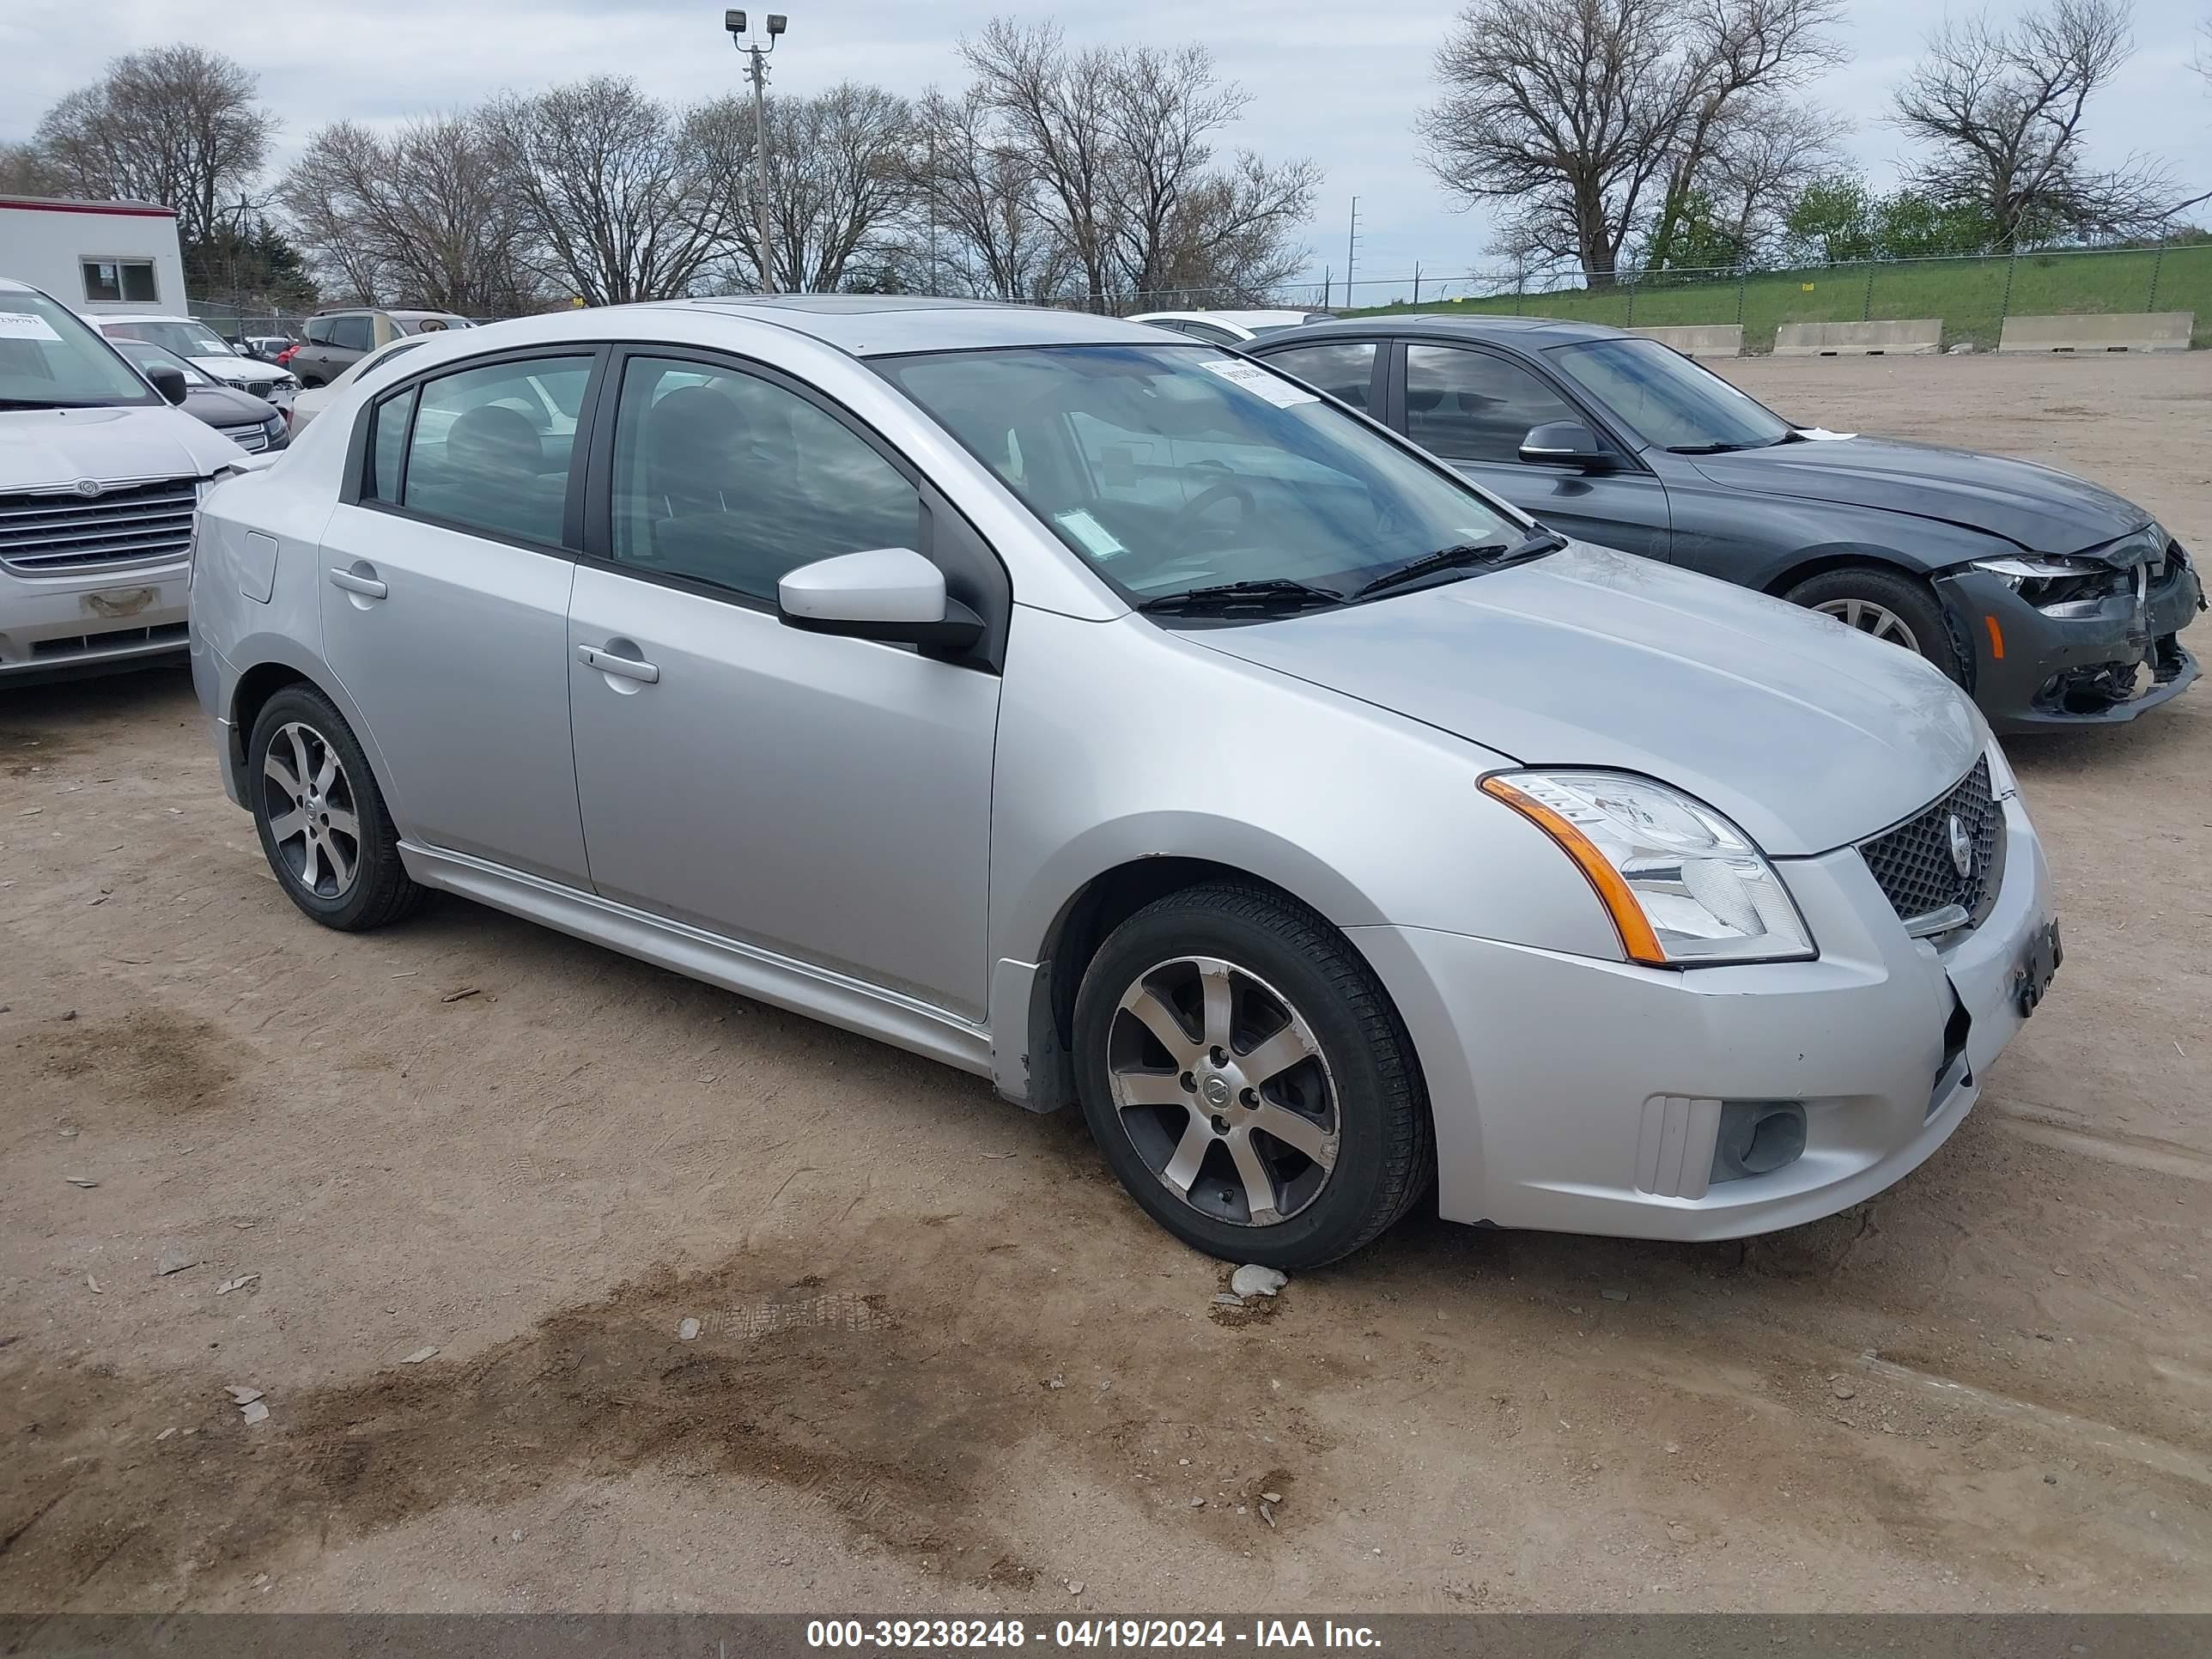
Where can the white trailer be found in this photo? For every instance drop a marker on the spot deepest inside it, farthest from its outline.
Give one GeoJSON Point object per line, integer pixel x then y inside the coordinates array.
{"type": "Point", "coordinates": [95, 256]}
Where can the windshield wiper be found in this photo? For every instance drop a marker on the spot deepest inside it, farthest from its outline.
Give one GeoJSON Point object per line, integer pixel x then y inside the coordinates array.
{"type": "Point", "coordinates": [1273, 594]}
{"type": "Point", "coordinates": [1465, 554]}
{"type": "Point", "coordinates": [1724, 449]}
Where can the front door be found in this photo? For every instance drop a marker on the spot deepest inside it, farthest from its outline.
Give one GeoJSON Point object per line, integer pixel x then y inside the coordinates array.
{"type": "Point", "coordinates": [1474, 408]}
{"type": "Point", "coordinates": [444, 605]}
{"type": "Point", "coordinates": [826, 799]}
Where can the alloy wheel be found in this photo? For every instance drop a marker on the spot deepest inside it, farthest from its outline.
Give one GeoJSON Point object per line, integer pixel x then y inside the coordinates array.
{"type": "Point", "coordinates": [1223, 1089]}
{"type": "Point", "coordinates": [1870, 618]}
{"type": "Point", "coordinates": [313, 821]}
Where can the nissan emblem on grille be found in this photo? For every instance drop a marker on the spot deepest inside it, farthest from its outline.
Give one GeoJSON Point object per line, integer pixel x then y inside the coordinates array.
{"type": "Point", "coordinates": [89, 488]}
{"type": "Point", "coordinates": [1962, 848]}
{"type": "Point", "coordinates": [1950, 852]}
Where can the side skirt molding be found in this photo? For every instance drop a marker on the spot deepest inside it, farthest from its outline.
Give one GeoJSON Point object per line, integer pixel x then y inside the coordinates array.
{"type": "Point", "coordinates": [817, 992]}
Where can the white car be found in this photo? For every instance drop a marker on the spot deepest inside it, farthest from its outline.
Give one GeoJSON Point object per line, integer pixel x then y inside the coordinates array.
{"type": "Point", "coordinates": [100, 476]}
{"type": "Point", "coordinates": [1231, 327]}
{"type": "Point", "coordinates": [206, 351]}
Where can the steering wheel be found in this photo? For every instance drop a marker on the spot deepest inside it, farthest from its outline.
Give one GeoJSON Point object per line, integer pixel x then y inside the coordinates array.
{"type": "Point", "coordinates": [1185, 521]}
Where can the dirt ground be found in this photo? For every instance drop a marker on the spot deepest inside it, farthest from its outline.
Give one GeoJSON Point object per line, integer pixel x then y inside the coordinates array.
{"type": "Point", "coordinates": [944, 1365]}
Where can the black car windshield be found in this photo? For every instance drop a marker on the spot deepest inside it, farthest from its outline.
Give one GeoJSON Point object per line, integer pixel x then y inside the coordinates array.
{"type": "Point", "coordinates": [1175, 467]}
{"type": "Point", "coordinates": [147, 355]}
{"type": "Point", "coordinates": [51, 358]}
{"type": "Point", "coordinates": [1666, 399]}
{"type": "Point", "coordinates": [185, 339]}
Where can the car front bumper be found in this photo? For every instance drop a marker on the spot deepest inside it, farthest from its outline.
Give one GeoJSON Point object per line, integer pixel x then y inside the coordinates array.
{"type": "Point", "coordinates": [54, 626]}
{"type": "Point", "coordinates": [1576, 1095]}
{"type": "Point", "coordinates": [2036, 672]}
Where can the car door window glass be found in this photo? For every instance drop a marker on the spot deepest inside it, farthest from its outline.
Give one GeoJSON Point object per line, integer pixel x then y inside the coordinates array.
{"type": "Point", "coordinates": [1473, 407]}
{"type": "Point", "coordinates": [728, 478]}
{"type": "Point", "coordinates": [491, 446]}
{"type": "Point", "coordinates": [1344, 371]}
{"type": "Point", "coordinates": [387, 440]}
{"type": "Point", "coordinates": [319, 330]}
{"type": "Point", "coordinates": [352, 333]}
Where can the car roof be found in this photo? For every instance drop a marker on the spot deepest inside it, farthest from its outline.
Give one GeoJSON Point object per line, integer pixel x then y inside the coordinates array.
{"type": "Point", "coordinates": [1242, 318]}
{"type": "Point", "coordinates": [875, 325]}
{"type": "Point", "coordinates": [142, 317]}
{"type": "Point", "coordinates": [1530, 333]}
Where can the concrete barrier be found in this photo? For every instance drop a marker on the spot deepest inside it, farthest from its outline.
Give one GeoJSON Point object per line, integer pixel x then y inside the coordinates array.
{"type": "Point", "coordinates": [1909, 337]}
{"type": "Point", "coordinates": [2131, 331]}
{"type": "Point", "coordinates": [1699, 339]}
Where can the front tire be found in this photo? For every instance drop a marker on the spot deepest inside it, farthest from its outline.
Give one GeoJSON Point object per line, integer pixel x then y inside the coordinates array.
{"type": "Point", "coordinates": [1249, 1081]}
{"type": "Point", "coordinates": [321, 817]}
{"type": "Point", "coordinates": [1887, 605]}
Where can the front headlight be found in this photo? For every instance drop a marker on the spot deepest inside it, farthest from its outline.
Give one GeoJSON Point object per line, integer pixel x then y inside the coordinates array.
{"type": "Point", "coordinates": [1684, 886]}
{"type": "Point", "coordinates": [2032, 568]}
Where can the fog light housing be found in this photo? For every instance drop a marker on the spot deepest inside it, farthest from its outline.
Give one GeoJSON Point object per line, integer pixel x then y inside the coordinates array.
{"type": "Point", "coordinates": [1756, 1138]}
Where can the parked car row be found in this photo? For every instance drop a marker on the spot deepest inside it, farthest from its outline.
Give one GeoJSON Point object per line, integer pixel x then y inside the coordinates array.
{"type": "Point", "coordinates": [1109, 712]}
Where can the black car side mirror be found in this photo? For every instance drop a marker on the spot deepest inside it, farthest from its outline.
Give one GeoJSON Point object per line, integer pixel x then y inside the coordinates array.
{"type": "Point", "coordinates": [1566, 443]}
{"type": "Point", "coordinates": [169, 382]}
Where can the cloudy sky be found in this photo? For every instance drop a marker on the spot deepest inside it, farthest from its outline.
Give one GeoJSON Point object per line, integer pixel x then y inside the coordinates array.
{"type": "Point", "coordinates": [1338, 82]}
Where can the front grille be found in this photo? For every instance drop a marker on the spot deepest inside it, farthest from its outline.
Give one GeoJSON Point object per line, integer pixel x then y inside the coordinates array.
{"type": "Point", "coordinates": [1913, 864]}
{"type": "Point", "coordinates": [45, 531]}
{"type": "Point", "coordinates": [258, 388]}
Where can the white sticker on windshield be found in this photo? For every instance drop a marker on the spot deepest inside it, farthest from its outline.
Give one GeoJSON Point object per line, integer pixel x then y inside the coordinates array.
{"type": "Point", "coordinates": [1253, 378]}
{"type": "Point", "coordinates": [1097, 540]}
{"type": "Point", "coordinates": [25, 325]}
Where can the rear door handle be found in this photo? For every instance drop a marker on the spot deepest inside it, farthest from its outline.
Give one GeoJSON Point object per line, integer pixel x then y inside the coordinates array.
{"type": "Point", "coordinates": [367, 587]}
{"type": "Point", "coordinates": [606, 662]}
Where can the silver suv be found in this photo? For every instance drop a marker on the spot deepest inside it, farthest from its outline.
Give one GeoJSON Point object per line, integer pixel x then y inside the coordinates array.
{"type": "Point", "coordinates": [1112, 717]}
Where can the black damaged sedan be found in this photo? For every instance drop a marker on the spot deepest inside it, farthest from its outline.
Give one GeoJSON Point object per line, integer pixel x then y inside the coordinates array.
{"type": "Point", "coordinates": [2056, 603]}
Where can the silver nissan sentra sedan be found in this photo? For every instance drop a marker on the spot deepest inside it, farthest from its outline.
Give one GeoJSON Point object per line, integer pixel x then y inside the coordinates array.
{"type": "Point", "coordinates": [1116, 719]}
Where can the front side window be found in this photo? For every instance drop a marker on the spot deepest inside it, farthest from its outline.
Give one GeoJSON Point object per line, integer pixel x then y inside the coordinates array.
{"type": "Point", "coordinates": [1667, 400]}
{"type": "Point", "coordinates": [51, 358]}
{"type": "Point", "coordinates": [1173, 467]}
{"type": "Point", "coordinates": [355, 333]}
{"type": "Point", "coordinates": [1471, 406]}
{"type": "Point", "coordinates": [118, 280]}
{"type": "Point", "coordinates": [1345, 372]}
{"type": "Point", "coordinates": [489, 446]}
{"type": "Point", "coordinates": [725, 477]}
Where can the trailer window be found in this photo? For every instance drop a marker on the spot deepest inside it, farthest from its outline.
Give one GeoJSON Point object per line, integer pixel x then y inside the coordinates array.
{"type": "Point", "coordinates": [116, 280]}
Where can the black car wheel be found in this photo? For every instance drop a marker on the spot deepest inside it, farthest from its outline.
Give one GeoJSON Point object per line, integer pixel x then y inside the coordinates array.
{"type": "Point", "coordinates": [321, 817]}
{"type": "Point", "coordinates": [1246, 1076]}
{"type": "Point", "coordinates": [1887, 605]}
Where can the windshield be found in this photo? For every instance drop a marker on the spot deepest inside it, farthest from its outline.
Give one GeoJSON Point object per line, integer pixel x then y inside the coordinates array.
{"type": "Point", "coordinates": [1668, 400]}
{"type": "Point", "coordinates": [1173, 467]}
{"type": "Point", "coordinates": [185, 339]}
{"type": "Point", "coordinates": [149, 356]}
{"type": "Point", "coordinates": [50, 357]}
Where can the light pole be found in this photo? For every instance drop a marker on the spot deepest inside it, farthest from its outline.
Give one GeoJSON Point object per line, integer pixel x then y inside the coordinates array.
{"type": "Point", "coordinates": [756, 72]}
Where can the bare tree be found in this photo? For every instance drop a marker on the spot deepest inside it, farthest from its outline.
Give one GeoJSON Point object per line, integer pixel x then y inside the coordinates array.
{"type": "Point", "coordinates": [1743, 56]}
{"type": "Point", "coordinates": [1121, 141]}
{"type": "Point", "coordinates": [1761, 161]}
{"type": "Point", "coordinates": [423, 215]}
{"type": "Point", "coordinates": [2002, 109]}
{"type": "Point", "coordinates": [980, 225]}
{"type": "Point", "coordinates": [628, 198]}
{"type": "Point", "coordinates": [172, 125]}
{"type": "Point", "coordinates": [1577, 112]}
{"type": "Point", "coordinates": [840, 176]}
{"type": "Point", "coordinates": [24, 171]}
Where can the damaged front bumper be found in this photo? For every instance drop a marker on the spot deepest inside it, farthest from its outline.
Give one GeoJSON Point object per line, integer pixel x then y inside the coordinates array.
{"type": "Point", "coordinates": [2093, 661]}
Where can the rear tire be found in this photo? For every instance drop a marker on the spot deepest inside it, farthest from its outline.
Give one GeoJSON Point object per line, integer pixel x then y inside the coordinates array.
{"type": "Point", "coordinates": [1889, 605]}
{"type": "Point", "coordinates": [322, 820]}
{"type": "Point", "coordinates": [1248, 1079]}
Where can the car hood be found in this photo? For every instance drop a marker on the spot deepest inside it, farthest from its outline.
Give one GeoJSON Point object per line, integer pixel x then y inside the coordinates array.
{"type": "Point", "coordinates": [1808, 734]}
{"type": "Point", "coordinates": [2036, 508]}
{"type": "Point", "coordinates": [40, 448]}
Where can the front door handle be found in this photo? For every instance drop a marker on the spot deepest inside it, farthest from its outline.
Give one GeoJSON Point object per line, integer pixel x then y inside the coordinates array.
{"type": "Point", "coordinates": [353, 582]}
{"type": "Point", "coordinates": [629, 668]}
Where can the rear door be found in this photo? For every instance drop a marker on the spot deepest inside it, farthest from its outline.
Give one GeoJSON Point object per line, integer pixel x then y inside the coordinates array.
{"type": "Point", "coordinates": [445, 574]}
{"type": "Point", "coordinates": [1473, 407]}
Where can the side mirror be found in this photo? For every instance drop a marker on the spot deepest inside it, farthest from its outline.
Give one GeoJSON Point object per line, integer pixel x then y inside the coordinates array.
{"type": "Point", "coordinates": [889, 594]}
{"type": "Point", "coordinates": [168, 381]}
{"type": "Point", "coordinates": [1566, 443]}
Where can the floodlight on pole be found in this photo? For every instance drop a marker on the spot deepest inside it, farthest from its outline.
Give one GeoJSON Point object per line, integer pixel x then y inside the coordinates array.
{"type": "Point", "coordinates": [756, 72]}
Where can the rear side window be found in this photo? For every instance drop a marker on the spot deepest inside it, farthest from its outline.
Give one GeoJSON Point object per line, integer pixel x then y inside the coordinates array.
{"type": "Point", "coordinates": [386, 442]}
{"type": "Point", "coordinates": [729, 478]}
{"type": "Point", "coordinates": [1345, 370]}
{"type": "Point", "coordinates": [490, 447]}
{"type": "Point", "coordinates": [353, 333]}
